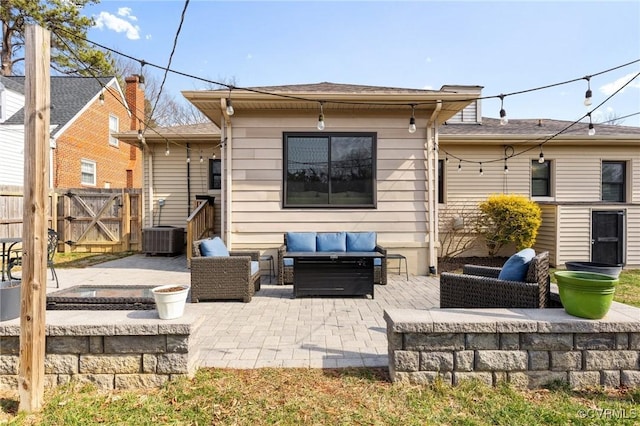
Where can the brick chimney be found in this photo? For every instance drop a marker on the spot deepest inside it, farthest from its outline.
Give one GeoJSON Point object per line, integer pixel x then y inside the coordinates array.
{"type": "Point", "coordinates": [135, 99]}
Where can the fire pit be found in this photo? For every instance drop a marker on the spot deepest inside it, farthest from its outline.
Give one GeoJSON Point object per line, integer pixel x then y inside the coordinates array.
{"type": "Point", "coordinates": [107, 297]}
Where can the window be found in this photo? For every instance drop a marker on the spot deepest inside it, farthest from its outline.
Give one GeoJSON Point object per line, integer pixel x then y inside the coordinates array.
{"type": "Point", "coordinates": [113, 128]}
{"type": "Point", "coordinates": [329, 169]}
{"type": "Point", "coordinates": [613, 181]}
{"type": "Point", "coordinates": [215, 174]}
{"type": "Point", "coordinates": [88, 172]}
{"type": "Point", "coordinates": [540, 178]}
{"type": "Point", "coordinates": [441, 181]}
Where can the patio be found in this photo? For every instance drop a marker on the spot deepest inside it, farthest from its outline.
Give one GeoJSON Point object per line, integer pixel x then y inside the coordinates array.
{"type": "Point", "coordinates": [273, 330]}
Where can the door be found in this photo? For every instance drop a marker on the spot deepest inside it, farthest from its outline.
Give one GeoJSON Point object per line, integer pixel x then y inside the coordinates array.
{"type": "Point", "coordinates": [607, 236]}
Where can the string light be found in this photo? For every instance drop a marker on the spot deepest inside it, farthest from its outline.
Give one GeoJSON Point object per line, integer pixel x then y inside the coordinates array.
{"type": "Point", "coordinates": [481, 172]}
{"type": "Point", "coordinates": [201, 159]}
{"type": "Point", "coordinates": [541, 158]}
{"type": "Point", "coordinates": [101, 98]}
{"type": "Point", "coordinates": [321, 117]}
{"type": "Point", "coordinates": [188, 155]}
{"type": "Point", "coordinates": [592, 130]}
{"type": "Point", "coordinates": [460, 165]}
{"type": "Point", "coordinates": [506, 167]}
{"type": "Point", "coordinates": [167, 152]}
{"type": "Point", "coordinates": [588, 94]}
{"type": "Point", "coordinates": [230, 109]}
{"type": "Point", "coordinates": [141, 76]}
{"type": "Point", "coordinates": [503, 114]}
{"type": "Point", "coordinates": [412, 120]}
{"type": "Point", "coordinates": [139, 134]}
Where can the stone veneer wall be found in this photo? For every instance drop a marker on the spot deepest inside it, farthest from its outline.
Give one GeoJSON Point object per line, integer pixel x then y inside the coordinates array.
{"type": "Point", "coordinates": [116, 356]}
{"type": "Point", "coordinates": [526, 347]}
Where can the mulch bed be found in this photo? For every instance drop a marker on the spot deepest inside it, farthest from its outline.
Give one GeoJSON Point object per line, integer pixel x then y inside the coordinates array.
{"type": "Point", "coordinates": [455, 264]}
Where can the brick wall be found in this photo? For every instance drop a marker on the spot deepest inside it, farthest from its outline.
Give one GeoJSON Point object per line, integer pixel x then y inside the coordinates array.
{"type": "Point", "coordinates": [88, 138]}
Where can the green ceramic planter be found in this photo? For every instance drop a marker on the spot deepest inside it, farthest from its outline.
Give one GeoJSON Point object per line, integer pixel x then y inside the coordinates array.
{"type": "Point", "coordinates": [586, 294]}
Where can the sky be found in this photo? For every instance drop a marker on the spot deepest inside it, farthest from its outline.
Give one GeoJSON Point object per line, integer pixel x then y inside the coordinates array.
{"type": "Point", "coordinates": [505, 47]}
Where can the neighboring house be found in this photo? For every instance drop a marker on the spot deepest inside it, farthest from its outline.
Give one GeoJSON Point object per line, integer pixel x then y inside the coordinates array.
{"type": "Point", "coordinates": [587, 186]}
{"type": "Point", "coordinates": [84, 113]}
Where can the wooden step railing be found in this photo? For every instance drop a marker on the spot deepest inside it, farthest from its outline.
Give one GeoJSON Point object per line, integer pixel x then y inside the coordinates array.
{"type": "Point", "coordinates": [199, 225]}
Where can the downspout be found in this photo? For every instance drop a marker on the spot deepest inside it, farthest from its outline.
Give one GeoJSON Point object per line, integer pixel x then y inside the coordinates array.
{"type": "Point", "coordinates": [432, 187]}
{"type": "Point", "coordinates": [226, 153]}
{"type": "Point", "coordinates": [188, 179]}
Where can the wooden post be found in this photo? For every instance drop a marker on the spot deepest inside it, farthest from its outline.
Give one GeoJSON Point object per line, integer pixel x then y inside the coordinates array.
{"type": "Point", "coordinates": [34, 228]}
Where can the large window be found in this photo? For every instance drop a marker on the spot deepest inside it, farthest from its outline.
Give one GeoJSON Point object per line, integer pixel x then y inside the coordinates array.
{"type": "Point", "coordinates": [114, 123]}
{"type": "Point", "coordinates": [215, 174]}
{"type": "Point", "coordinates": [329, 169]}
{"type": "Point", "coordinates": [540, 178]}
{"type": "Point", "coordinates": [88, 172]}
{"type": "Point", "coordinates": [613, 181]}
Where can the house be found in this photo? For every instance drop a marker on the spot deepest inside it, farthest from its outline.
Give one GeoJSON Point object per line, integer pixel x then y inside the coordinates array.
{"type": "Point", "coordinates": [274, 171]}
{"type": "Point", "coordinates": [84, 112]}
{"type": "Point", "coordinates": [588, 187]}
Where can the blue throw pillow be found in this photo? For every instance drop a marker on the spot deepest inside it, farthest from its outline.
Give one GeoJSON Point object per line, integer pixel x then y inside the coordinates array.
{"type": "Point", "coordinates": [331, 241]}
{"type": "Point", "coordinates": [214, 247]}
{"type": "Point", "coordinates": [361, 241]}
{"type": "Point", "coordinates": [301, 241]}
{"type": "Point", "coordinates": [516, 267]}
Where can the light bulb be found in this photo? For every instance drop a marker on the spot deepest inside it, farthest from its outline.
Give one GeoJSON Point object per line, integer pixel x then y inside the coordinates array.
{"type": "Point", "coordinates": [460, 166]}
{"type": "Point", "coordinates": [503, 117]}
{"type": "Point", "coordinates": [541, 159]}
{"type": "Point", "coordinates": [201, 159]}
{"type": "Point", "coordinates": [230, 110]}
{"type": "Point", "coordinates": [412, 125]}
{"type": "Point", "coordinates": [592, 130]}
{"type": "Point", "coordinates": [321, 122]}
{"type": "Point", "coordinates": [506, 169]}
{"type": "Point", "coordinates": [188, 160]}
{"type": "Point", "coordinates": [481, 172]}
{"type": "Point", "coordinates": [101, 98]}
{"type": "Point", "coordinates": [139, 134]}
{"type": "Point", "coordinates": [587, 98]}
{"type": "Point", "coordinates": [167, 152]}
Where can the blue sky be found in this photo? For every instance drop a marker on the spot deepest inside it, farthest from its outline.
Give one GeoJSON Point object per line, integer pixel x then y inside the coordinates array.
{"type": "Point", "coordinates": [504, 46]}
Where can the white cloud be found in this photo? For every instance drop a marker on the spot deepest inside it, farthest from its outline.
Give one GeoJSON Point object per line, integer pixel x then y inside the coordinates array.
{"type": "Point", "coordinates": [611, 88]}
{"type": "Point", "coordinates": [249, 56]}
{"type": "Point", "coordinates": [126, 12]}
{"type": "Point", "coordinates": [105, 20]}
{"type": "Point", "coordinates": [427, 87]}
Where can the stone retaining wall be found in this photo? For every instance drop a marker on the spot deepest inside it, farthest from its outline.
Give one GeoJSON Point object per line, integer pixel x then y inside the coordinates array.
{"type": "Point", "coordinates": [122, 353]}
{"type": "Point", "coordinates": [526, 347]}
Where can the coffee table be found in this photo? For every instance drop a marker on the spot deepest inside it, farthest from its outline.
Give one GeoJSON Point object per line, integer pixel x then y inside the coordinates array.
{"type": "Point", "coordinates": [102, 298]}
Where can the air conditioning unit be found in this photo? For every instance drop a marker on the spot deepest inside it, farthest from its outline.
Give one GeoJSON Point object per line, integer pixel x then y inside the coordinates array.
{"type": "Point", "coordinates": [163, 240]}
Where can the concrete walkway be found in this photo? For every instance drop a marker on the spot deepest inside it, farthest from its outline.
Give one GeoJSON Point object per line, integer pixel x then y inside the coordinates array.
{"type": "Point", "coordinates": [274, 329]}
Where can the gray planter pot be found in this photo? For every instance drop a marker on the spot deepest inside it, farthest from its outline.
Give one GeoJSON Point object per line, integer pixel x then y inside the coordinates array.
{"type": "Point", "coordinates": [9, 300]}
{"type": "Point", "coordinates": [599, 268]}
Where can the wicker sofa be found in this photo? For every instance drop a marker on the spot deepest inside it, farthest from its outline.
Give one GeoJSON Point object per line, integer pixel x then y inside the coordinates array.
{"type": "Point", "coordinates": [285, 266]}
{"type": "Point", "coordinates": [479, 287]}
{"type": "Point", "coordinates": [224, 277]}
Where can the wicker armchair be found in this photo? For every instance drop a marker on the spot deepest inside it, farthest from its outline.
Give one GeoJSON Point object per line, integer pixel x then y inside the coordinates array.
{"type": "Point", "coordinates": [223, 278]}
{"type": "Point", "coordinates": [479, 287]}
{"type": "Point", "coordinates": [285, 273]}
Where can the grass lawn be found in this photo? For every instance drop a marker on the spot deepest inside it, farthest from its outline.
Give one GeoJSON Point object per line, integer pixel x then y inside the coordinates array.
{"type": "Point", "coordinates": [325, 397]}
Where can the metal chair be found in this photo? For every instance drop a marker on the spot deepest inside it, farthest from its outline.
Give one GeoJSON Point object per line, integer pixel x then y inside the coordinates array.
{"type": "Point", "coordinates": [15, 258]}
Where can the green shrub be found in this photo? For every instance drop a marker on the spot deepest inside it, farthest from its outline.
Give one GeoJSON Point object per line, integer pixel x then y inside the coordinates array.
{"type": "Point", "coordinates": [509, 218]}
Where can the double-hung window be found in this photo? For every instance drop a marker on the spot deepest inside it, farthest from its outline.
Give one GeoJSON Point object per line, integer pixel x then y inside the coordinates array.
{"type": "Point", "coordinates": [613, 181]}
{"type": "Point", "coordinates": [88, 172]}
{"type": "Point", "coordinates": [540, 178]}
{"type": "Point", "coordinates": [333, 170]}
{"type": "Point", "coordinates": [215, 174]}
{"type": "Point", "coordinates": [114, 123]}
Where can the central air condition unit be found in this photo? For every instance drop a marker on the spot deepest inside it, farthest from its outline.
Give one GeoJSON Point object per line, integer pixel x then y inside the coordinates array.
{"type": "Point", "coordinates": [163, 240]}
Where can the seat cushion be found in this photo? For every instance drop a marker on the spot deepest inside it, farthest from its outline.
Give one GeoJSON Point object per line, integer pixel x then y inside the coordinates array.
{"type": "Point", "coordinates": [255, 267]}
{"type": "Point", "coordinates": [516, 267]}
{"type": "Point", "coordinates": [214, 247]}
{"type": "Point", "coordinates": [331, 241]}
{"type": "Point", "coordinates": [301, 241]}
{"type": "Point", "coordinates": [361, 241]}
{"type": "Point", "coordinates": [287, 261]}
{"type": "Point", "coordinates": [377, 261]}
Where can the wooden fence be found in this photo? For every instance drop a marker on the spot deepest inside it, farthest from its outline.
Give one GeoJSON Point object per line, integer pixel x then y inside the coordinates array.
{"type": "Point", "coordinates": [87, 220]}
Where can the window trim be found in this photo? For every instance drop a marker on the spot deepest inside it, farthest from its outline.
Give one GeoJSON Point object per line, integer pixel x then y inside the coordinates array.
{"type": "Point", "coordinates": [549, 181]}
{"type": "Point", "coordinates": [95, 172]}
{"type": "Point", "coordinates": [113, 141]}
{"type": "Point", "coordinates": [623, 184]}
{"type": "Point", "coordinates": [330, 135]}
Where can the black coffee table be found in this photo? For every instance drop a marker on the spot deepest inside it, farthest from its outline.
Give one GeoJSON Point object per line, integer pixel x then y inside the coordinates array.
{"type": "Point", "coordinates": [102, 298]}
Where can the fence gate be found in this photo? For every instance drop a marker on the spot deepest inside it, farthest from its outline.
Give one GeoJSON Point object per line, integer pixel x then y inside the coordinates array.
{"type": "Point", "coordinates": [99, 220]}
